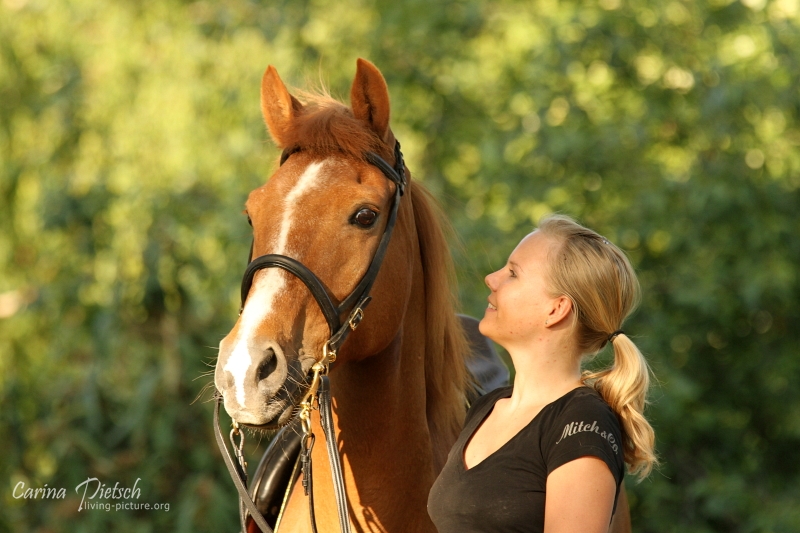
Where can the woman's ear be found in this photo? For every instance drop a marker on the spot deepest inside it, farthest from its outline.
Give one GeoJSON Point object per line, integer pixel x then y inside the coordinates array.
{"type": "Point", "coordinates": [560, 310]}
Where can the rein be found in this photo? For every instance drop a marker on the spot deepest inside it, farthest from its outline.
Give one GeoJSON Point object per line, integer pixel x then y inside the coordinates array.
{"type": "Point", "coordinates": [318, 394]}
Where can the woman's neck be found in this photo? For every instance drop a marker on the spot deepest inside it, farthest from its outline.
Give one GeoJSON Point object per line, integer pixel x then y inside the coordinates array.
{"type": "Point", "coordinates": [545, 371]}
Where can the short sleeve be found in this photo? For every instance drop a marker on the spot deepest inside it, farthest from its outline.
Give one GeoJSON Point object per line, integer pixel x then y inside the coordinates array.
{"type": "Point", "coordinates": [585, 426]}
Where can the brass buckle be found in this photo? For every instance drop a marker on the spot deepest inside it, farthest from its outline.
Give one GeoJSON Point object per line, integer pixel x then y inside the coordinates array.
{"type": "Point", "coordinates": [356, 318]}
{"type": "Point", "coordinates": [328, 355]}
{"type": "Point", "coordinates": [307, 404]}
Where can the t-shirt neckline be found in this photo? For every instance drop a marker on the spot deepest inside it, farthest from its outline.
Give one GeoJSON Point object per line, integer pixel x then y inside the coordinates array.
{"type": "Point", "coordinates": [505, 394]}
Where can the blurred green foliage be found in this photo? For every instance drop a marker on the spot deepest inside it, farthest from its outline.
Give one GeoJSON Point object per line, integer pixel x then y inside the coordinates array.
{"type": "Point", "coordinates": [130, 134]}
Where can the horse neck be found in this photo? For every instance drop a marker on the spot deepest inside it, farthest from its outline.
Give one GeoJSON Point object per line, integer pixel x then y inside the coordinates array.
{"type": "Point", "coordinates": [382, 400]}
{"type": "Point", "coordinates": [383, 440]}
{"type": "Point", "coordinates": [419, 377]}
{"type": "Point", "coordinates": [392, 440]}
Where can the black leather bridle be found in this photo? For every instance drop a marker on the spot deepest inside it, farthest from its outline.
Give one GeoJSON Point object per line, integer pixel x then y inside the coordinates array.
{"type": "Point", "coordinates": [353, 306]}
{"type": "Point", "coordinates": [359, 298]}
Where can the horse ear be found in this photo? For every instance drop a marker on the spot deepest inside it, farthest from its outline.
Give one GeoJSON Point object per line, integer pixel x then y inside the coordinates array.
{"type": "Point", "coordinates": [278, 107]}
{"type": "Point", "coordinates": [369, 98]}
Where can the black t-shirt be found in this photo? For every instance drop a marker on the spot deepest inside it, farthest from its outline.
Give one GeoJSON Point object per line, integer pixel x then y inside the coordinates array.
{"type": "Point", "coordinates": [505, 492]}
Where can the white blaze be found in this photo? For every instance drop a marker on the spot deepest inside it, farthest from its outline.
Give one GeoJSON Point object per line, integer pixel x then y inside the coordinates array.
{"type": "Point", "coordinates": [268, 286]}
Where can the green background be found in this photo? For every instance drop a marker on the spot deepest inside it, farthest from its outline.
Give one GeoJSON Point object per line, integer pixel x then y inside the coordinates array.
{"type": "Point", "coordinates": [130, 135]}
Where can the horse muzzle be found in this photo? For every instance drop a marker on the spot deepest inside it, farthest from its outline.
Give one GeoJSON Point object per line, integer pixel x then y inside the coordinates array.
{"type": "Point", "coordinates": [260, 386]}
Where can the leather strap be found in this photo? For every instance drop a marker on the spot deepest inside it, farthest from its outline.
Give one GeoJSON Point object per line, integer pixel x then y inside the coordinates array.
{"type": "Point", "coordinates": [326, 418]}
{"type": "Point", "coordinates": [308, 479]}
{"type": "Point", "coordinates": [317, 288]}
{"type": "Point", "coordinates": [239, 478]}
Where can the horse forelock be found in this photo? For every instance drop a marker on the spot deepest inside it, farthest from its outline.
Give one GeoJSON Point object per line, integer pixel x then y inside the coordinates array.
{"type": "Point", "coordinates": [326, 126]}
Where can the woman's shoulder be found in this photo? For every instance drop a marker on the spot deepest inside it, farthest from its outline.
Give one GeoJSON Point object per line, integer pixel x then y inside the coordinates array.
{"type": "Point", "coordinates": [487, 400]}
{"type": "Point", "coordinates": [582, 418]}
{"type": "Point", "coordinates": [492, 396]}
{"type": "Point", "coordinates": [583, 399]}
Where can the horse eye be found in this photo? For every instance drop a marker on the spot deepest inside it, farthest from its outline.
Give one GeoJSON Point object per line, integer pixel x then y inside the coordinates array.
{"type": "Point", "coordinates": [249, 221]}
{"type": "Point", "coordinates": [365, 217]}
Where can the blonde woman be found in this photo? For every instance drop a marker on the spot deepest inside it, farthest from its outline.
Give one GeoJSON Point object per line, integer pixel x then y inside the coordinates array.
{"type": "Point", "coordinates": [549, 453]}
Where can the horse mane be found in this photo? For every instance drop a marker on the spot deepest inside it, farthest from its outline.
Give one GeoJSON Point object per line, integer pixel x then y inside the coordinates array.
{"type": "Point", "coordinates": [446, 375]}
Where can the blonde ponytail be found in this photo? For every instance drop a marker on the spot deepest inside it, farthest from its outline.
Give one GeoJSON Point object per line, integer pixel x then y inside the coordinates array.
{"type": "Point", "coordinates": [624, 387]}
{"type": "Point", "coordinates": [599, 280]}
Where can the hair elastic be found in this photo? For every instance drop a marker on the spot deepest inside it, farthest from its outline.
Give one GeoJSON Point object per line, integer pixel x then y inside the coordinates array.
{"type": "Point", "coordinates": [613, 335]}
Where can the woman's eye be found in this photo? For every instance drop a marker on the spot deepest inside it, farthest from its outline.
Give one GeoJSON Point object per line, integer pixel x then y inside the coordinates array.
{"type": "Point", "coordinates": [365, 217]}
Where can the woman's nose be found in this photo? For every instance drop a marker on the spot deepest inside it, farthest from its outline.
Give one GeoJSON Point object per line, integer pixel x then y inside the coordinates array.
{"type": "Point", "coordinates": [489, 280]}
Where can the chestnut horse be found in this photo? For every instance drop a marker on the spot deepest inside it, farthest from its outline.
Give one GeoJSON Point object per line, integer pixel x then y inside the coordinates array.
{"type": "Point", "coordinates": [398, 384]}
{"type": "Point", "coordinates": [399, 381]}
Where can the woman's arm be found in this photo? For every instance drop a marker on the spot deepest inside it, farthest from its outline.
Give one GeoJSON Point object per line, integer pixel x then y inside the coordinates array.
{"type": "Point", "coordinates": [621, 521]}
{"type": "Point", "coordinates": [580, 497]}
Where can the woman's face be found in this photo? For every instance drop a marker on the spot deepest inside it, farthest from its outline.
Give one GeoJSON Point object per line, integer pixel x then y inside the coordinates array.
{"type": "Point", "coordinates": [519, 302]}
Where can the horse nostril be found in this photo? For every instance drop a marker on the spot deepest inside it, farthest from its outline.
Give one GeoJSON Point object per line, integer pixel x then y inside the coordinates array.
{"type": "Point", "coordinates": [268, 365]}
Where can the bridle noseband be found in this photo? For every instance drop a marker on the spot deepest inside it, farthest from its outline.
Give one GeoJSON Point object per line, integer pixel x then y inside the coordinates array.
{"type": "Point", "coordinates": [318, 395]}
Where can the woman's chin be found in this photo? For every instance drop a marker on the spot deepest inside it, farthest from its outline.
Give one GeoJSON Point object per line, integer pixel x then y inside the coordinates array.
{"type": "Point", "coordinates": [483, 325]}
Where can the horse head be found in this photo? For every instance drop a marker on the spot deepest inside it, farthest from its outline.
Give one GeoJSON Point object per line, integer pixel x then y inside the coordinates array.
{"type": "Point", "coordinates": [325, 207]}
